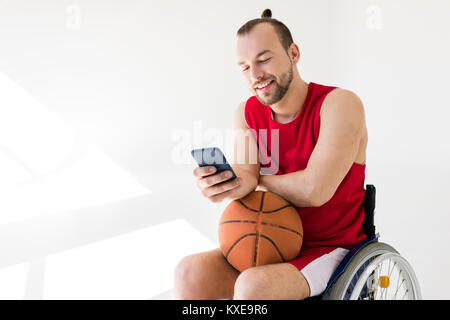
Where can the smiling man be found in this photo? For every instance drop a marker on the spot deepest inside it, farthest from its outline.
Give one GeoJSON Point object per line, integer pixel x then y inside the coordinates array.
{"type": "Point", "coordinates": [320, 170]}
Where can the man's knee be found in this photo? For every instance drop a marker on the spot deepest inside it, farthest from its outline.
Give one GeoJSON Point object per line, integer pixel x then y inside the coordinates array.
{"type": "Point", "coordinates": [205, 275]}
{"type": "Point", "coordinates": [186, 278]}
{"type": "Point", "coordinates": [250, 285]}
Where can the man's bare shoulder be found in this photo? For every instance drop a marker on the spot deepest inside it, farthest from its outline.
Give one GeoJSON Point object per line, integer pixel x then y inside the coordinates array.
{"type": "Point", "coordinates": [241, 107]}
{"type": "Point", "coordinates": [343, 102]}
{"type": "Point", "coordinates": [239, 116]}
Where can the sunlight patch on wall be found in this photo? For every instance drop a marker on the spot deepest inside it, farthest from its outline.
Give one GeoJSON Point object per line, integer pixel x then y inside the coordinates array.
{"type": "Point", "coordinates": [46, 167]}
{"type": "Point", "coordinates": [137, 265]}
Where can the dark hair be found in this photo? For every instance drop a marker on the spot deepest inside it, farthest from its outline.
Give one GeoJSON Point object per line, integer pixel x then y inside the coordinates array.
{"type": "Point", "coordinates": [283, 33]}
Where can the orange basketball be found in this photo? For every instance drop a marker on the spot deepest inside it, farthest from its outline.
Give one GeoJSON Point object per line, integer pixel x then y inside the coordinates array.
{"type": "Point", "coordinates": [259, 229]}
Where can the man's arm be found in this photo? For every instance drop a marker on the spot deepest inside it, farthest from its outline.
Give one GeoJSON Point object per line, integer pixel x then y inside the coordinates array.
{"type": "Point", "coordinates": [341, 127]}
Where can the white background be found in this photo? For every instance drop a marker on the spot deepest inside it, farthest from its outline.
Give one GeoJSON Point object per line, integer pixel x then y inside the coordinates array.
{"type": "Point", "coordinates": [95, 95]}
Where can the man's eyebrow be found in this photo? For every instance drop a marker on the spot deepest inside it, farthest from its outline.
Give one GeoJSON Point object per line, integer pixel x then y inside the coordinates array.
{"type": "Point", "coordinates": [257, 56]}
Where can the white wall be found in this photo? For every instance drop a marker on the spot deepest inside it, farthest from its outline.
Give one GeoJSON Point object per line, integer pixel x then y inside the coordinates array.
{"type": "Point", "coordinates": [394, 55]}
{"type": "Point", "coordinates": [113, 84]}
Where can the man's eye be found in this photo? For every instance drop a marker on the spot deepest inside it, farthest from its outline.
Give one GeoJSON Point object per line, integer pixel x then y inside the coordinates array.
{"type": "Point", "coordinates": [262, 61]}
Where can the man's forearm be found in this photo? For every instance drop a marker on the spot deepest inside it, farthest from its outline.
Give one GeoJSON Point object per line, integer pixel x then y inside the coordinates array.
{"type": "Point", "coordinates": [249, 183]}
{"type": "Point", "coordinates": [295, 187]}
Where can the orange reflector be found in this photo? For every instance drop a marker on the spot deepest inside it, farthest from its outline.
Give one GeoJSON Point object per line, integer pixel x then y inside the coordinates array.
{"type": "Point", "coordinates": [384, 282]}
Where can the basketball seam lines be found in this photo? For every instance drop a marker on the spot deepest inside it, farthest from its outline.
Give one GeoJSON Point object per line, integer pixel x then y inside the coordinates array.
{"type": "Point", "coordinates": [271, 211]}
{"type": "Point", "coordinates": [254, 234]}
{"type": "Point", "coordinates": [262, 201]}
{"type": "Point", "coordinates": [247, 207]}
{"type": "Point", "coordinates": [257, 229]}
{"type": "Point", "coordinates": [275, 246]}
{"type": "Point", "coordinates": [264, 223]}
{"type": "Point", "coordinates": [236, 242]}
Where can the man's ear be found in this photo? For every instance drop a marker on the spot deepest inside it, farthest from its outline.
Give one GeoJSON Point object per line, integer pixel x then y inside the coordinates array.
{"type": "Point", "coordinates": [294, 53]}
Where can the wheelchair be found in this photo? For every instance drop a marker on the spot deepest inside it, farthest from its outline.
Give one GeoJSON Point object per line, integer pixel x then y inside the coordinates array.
{"type": "Point", "coordinates": [372, 270]}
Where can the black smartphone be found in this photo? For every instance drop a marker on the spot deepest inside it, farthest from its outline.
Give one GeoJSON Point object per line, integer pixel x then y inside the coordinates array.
{"type": "Point", "coordinates": [212, 157]}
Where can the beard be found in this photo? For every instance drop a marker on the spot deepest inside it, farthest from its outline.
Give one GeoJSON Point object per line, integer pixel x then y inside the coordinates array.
{"type": "Point", "coordinates": [279, 88]}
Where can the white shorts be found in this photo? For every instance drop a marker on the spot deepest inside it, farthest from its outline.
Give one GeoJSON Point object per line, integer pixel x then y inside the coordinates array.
{"type": "Point", "coordinates": [318, 272]}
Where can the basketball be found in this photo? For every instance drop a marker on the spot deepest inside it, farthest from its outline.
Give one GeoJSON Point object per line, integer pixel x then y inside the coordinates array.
{"type": "Point", "coordinates": [259, 229]}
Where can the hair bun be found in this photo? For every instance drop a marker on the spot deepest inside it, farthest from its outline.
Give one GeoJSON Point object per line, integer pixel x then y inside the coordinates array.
{"type": "Point", "coordinates": [266, 14]}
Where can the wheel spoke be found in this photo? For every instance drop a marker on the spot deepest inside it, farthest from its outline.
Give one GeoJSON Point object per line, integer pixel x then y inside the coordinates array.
{"type": "Point", "coordinates": [406, 292]}
{"type": "Point", "coordinates": [398, 286]}
{"type": "Point", "coordinates": [393, 267]}
{"type": "Point", "coordinates": [390, 271]}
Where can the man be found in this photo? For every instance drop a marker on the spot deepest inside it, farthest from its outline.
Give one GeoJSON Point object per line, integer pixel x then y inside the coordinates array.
{"type": "Point", "coordinates": [322, 145]}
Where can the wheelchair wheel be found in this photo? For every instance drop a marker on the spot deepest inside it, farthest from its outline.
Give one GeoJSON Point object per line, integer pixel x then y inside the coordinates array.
{"type": "Point", "coordinates": [377, 272]}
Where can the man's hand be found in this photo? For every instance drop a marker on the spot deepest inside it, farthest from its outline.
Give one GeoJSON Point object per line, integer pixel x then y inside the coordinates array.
{"type": "Point", "coordinates": [212, 184]}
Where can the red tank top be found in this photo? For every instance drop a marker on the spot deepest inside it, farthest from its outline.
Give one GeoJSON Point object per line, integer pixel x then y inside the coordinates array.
{"type": "Point", "coordinates": [338, 222]}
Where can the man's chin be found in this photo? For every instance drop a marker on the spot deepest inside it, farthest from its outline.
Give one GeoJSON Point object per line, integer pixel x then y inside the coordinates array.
{"type": "Point", "coordinates": [264, 100]}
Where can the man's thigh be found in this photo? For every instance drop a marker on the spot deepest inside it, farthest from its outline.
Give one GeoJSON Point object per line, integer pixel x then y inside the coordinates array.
{"type": "Point", "coordinates": [271, 282]}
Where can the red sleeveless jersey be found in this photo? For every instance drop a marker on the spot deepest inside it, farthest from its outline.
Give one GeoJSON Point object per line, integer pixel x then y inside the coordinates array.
{"type": "Point", "coordinates": [338, 222]}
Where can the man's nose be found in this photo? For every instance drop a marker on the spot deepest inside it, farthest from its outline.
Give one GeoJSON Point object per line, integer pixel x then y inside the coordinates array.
{"type": "Point", "coordinates": [256, 74]}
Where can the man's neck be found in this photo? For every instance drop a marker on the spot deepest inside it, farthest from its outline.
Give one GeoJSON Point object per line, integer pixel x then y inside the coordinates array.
{"type": "Point", "coordinates": [290, 106]}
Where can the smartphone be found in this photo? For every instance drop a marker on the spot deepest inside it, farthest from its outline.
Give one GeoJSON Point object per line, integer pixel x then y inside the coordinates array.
{"type": "Point", "coordinates": [212, 157]}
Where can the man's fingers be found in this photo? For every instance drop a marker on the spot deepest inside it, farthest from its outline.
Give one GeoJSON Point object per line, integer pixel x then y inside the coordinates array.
{"type": "Point", "coordinates": [218, 189]}
{"type": "Point", "coordinates": [236, 183]}
{"type": "Point", "coordinates": [200, 172]}
{"type": "Point", "coordinates": [210, 181]}
{"type": "Point", "coordinates": [213, 186]}
{"type": "Point", "coordinates": [219, 197]}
